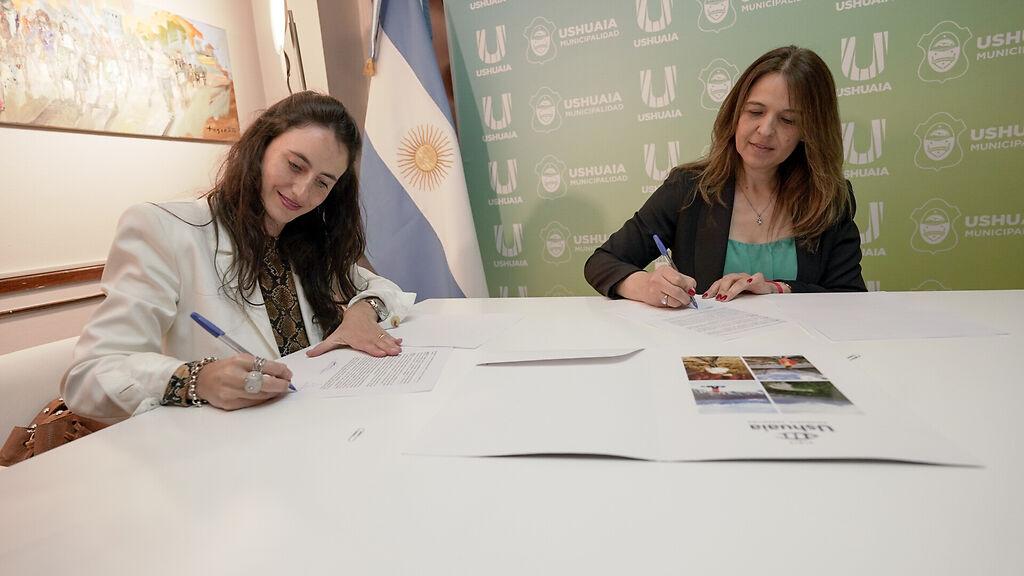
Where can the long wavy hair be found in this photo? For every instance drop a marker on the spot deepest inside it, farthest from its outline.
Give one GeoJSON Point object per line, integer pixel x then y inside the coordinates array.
{"type": "Point", "coordinates": [811, 187]}
{"type": "Point", "coordinates": [322, 245]}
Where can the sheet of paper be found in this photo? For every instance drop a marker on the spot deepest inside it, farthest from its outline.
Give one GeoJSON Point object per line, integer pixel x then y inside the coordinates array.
{"type": "Point", "coordinates": [452, 330]}
{"type": "Point", "coordinates": [514, 356]}
{"type": "Point", "coordinates": [666, 404]}
{"type": "Point", "coordinates": [720, 322]}
{"type": "Point", "coordinates": [345, 372]}
{"type": "Point", "coordinates": [713, 319]}
{"type": "Point", "coordinates": [551, 408]}
{"type": "Point", "coordinates": [893, 317]}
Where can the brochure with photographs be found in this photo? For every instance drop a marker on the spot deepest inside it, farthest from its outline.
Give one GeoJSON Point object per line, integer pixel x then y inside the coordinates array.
{"type": "Point", "coordinates": [762, 385]}
{"type": "Point", "coordinates": [663, 405]}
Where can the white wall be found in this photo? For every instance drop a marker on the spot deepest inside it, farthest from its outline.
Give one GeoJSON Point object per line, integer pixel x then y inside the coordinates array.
{"type": "Point", "coordinates": [63, 191]}
{"type": "Point", "coordinates": [307, 24]}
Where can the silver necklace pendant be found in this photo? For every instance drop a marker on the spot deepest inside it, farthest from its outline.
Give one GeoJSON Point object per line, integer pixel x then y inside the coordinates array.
{"type": "Point", "coordinates": [760, 219]}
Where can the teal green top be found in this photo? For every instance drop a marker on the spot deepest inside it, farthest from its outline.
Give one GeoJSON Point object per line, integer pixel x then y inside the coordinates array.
{"type": "Point", "coordinates": [776, 260]}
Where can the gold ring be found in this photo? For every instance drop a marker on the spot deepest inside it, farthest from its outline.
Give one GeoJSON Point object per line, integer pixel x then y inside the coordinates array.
{"type": "Point", "coordinates": [380, 336]}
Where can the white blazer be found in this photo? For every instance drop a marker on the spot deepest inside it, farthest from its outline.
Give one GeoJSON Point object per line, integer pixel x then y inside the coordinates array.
{"type": "Point", "coordinates": [166, 262]}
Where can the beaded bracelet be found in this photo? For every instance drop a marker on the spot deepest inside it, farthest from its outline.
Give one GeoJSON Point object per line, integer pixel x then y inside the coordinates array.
{"type": "Point", "coordinates": [193, 378]}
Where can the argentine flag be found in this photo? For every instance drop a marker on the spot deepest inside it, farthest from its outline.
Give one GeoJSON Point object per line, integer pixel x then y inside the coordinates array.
{"type": "Point", "coordinates": [419, 226]}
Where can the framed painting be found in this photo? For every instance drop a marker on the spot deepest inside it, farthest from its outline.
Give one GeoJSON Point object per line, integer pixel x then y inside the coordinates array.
{"type": "Point", "coordinates": [114, 66]}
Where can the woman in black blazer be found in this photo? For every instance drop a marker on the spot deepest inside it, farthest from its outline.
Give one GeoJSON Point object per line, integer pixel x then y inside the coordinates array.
{"type": "Point", "coordinates": [767, 211]}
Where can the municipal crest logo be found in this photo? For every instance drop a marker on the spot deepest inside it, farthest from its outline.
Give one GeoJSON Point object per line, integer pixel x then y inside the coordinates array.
{"type": "Point", "coordinates": [654, 171]}
{"type": "Point", "coordinates": [547, 112]}
{"type": "Point", "coordinates": [939, 142]}
{"type": "Point", "coordinates": [550, 178]}
{"type": "Point", "coordinates": [717, 77]}
{"type": "Point", "coordinates": [540, 41]}
{"type": "Point", "coordinates": [848, 51]}
{"type": "Point", "coordinates": [649, 24]}
{"type": "Point", "coordinates": [425, 156]}
{"type": "Point", "coordinates": [509, 248]}
{"type": "Point", "coordinates": [874, 148]}
{"type": "Point", "coordinates": [716, 15]}
{"type": "Point", "coordinates": [556, 238]}
{"type": "Point", "coordinates": [488, 56]}
{"type": "Point", "coordinates": [668, 93]}
{"type": "Point", "coordinates": [511, 171]}
{"type": "Point", "coordinates": [559, 291]}
{"type": "Point", "coordinates": [944, 52]}
{"type": "Point", "coordinates": [487, 103]}
{"type": "Point", "coordinates": [935, 231]}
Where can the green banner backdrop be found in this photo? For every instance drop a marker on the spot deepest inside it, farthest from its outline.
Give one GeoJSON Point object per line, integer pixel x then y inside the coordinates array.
{"type": "Point", "coordinates": [572, 112]}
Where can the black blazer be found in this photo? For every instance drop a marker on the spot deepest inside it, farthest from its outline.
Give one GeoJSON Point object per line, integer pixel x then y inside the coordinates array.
{"type": "Point", "coordinates": [698, 235]}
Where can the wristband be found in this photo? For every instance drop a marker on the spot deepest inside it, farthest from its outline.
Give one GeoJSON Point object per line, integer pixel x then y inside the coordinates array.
{"type": "Point", "coordinates": [778, 286]}
{"type": "Point", "coordinates": [193, 377]}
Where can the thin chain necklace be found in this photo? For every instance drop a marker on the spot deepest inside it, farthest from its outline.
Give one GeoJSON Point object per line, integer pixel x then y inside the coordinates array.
{"type": "Point", "coordinates": [760, 213]}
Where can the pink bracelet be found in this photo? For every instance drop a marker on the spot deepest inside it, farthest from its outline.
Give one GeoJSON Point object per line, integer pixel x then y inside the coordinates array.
{"type": "Point", "coordinates": [778, 286]}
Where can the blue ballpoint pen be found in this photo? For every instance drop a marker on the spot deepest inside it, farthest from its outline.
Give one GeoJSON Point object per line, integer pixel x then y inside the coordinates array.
{"type": "Point", "coordinates": [220, 335]}
{"type": "Point", "coordinates": [668, 256]}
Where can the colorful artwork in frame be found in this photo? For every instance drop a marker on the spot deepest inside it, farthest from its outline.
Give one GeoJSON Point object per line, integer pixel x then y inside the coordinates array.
{"type": "Point", "coordinates": [114, 66]}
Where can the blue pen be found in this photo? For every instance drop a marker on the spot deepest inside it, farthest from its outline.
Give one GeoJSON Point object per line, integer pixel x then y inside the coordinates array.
{"type": "Point", "coordinates": [220, 335]}
{"type": "Point", "coordinates": [668, 256]}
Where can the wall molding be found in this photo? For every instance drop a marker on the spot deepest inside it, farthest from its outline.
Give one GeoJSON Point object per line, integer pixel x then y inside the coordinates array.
{"type": "Point", "coordinates": [50, 279]}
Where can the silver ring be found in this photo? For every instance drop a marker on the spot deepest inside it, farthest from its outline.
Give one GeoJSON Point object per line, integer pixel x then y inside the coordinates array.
{"type": "Point", "coordinates": [254, 382]}
{"type": "Point", "coordinates": [664, 299]}
{"type": "Point", "coordinates": [257, 364]}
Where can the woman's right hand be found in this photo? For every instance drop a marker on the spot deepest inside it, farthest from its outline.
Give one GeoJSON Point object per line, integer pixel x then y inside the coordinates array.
{"type": "Point", "coordinates": [663, 288]}
{"type": "Point", "coordinates": [222, 383]}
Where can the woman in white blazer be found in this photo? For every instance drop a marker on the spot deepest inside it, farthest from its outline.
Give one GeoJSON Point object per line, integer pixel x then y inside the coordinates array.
{"type": "Point", "coordinates": [269, 255]}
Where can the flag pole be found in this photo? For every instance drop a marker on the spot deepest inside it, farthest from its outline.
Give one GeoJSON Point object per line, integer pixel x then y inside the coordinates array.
{"type": "Point", "coordinates": [370, 68]}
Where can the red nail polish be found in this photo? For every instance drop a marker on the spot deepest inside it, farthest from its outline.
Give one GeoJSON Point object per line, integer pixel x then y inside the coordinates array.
{"type": "Point", "coordinates": [749, 280]}
{"type": "Point", "coordinates": [705, 295]}
{"type": "Point", "coordinates": [691, 292]}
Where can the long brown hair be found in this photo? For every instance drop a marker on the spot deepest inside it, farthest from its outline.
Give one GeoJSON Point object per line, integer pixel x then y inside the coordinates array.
{"type": "Point", "coordinates": [320, 246]}
{"type": "Point", "coordinates": [812, 190]}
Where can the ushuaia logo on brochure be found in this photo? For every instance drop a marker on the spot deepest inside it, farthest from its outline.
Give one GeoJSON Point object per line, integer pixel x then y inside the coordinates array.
{"type": "Point", "coordinates": [794, 432]}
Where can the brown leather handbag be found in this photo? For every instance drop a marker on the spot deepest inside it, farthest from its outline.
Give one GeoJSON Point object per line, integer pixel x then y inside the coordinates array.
{"type": "Point", "coordinates": [54, 426]}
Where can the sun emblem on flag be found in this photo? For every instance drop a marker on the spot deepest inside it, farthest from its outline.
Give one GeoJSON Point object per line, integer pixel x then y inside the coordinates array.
{"type": "Point", "coordinates": [425, 156]}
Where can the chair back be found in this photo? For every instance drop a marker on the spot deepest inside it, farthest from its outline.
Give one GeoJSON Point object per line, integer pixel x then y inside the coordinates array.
{"type": "Point", "coordinates": [29, 379]}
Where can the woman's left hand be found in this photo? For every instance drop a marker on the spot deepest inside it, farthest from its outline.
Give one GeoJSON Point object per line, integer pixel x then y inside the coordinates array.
{"type": "Point", "coordinates": [359, 330]}
{"type": "Point", "coordinates": [732, 285]}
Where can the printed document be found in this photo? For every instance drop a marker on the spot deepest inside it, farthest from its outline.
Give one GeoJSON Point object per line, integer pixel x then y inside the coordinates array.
{"type": "Point", "coordinates": [713, 319]}
{"type": "Point", "coordinates": [346, 372]}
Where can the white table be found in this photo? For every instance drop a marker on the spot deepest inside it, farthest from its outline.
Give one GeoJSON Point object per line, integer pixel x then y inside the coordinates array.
{"type": "Point", "coordinates": [279, 489]}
